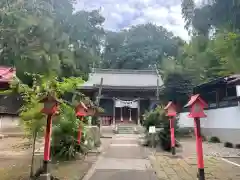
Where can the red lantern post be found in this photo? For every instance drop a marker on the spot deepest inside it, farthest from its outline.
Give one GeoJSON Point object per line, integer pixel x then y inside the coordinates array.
{"type": "Point", "coordinates": [81, 111]}
{"type": "Point", "coordinates": [90, 111]}
{"type": "Point", "coordinates": [171, 113]}
{"type": "Point", "coordinates": [50, 108]}
{"type": "Point", "coordinates": [197, 106]}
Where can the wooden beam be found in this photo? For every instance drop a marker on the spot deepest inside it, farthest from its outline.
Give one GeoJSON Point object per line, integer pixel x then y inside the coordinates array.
{"type": "Point", "coordinates": [98, 100]}
{"type": "Point", "coordinates": [99, 92]}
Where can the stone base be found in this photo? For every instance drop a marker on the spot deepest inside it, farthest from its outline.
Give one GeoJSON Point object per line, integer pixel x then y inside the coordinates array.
{"type": "Point", "coordinates": [45, 177]}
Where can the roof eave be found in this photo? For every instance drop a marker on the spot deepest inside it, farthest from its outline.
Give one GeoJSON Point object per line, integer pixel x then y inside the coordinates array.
{"type": "Point", "coordinates": [121, 87]}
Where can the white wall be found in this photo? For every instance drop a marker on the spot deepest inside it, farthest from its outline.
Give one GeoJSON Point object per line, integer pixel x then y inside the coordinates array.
{"type": "Point", "coordinates": [8, 123]}
{"type": "Point", "coordinates": [216, 118]}
{"type": "Point", "coordinates": [221, 122]}
{"type": "Point", "coordinates": [184, 120]}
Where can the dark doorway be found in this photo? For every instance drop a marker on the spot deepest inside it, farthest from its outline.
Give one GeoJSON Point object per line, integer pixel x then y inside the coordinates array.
{"type": "Point", "coordinates": [126, 115]}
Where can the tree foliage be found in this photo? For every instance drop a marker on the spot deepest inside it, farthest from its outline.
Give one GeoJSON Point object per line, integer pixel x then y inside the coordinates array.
{"type": "Point", "coordinates": [44, 36]}
{"type": "Point", "coordinates": [215, 40]}
{"type": "Point", "coordinates": [65, 123]}
{"type": "Point", "coordinates": [139, 47]}
{"type": "Point", "coordinates": [30, 112]}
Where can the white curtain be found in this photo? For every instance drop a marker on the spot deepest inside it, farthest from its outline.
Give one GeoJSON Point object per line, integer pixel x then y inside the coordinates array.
{"type": "Point", "coordinates": [121, 103]}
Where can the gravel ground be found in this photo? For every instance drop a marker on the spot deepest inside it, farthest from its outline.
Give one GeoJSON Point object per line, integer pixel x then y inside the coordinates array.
{"type": "Point", "coordinates": [15, 161]}
{"type": "Point", "coordinates": [209, 149]}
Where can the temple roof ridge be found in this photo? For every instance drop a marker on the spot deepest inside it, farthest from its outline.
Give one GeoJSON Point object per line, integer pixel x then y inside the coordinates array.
{"type": "Point", "coordinates": [125, 71]}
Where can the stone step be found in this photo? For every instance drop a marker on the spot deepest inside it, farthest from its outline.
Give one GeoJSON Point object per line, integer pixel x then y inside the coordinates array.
{"type": "Point", "coordinates": [125, 132]}
{"type": "Point", "coordinates": [126, 129]}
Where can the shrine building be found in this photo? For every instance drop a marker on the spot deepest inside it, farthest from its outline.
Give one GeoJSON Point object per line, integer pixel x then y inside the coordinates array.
{"type": "Point", "coordinates": [126, 94]}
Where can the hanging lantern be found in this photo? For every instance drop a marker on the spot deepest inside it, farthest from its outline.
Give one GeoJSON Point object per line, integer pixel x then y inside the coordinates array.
{"type": "Point", "coordinates": [197, 106]}
{"type": "Point", "coordinates": [50, 105]}
{"type": "Point", "coordinates": [171, 109]}
{"type": "Point", "coordinates": [91, 111]}
{"type": "Point", "coordinates": [81, 110]}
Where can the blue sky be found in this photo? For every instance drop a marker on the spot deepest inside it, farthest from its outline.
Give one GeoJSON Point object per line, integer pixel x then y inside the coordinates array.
{"type": "Point", "coordinates": [121, 14]}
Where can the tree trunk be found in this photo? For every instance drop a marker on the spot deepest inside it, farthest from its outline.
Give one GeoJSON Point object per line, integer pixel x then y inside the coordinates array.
{"type": "Point", "coordinates": [33, 153]}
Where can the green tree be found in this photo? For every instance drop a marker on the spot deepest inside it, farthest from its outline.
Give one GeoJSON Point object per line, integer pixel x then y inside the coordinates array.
{"type": "Point", "coordinates": [34, 121]}
{"type": "Point", "coordinates": [45, 36]}
{"type": "Point", "coordinates": [215, 43]}
{"type": "Point", "coordinates": [139, 47]}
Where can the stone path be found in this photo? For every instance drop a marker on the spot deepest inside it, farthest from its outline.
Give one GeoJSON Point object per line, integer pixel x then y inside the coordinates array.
{"type": "Point", "coordinates": [185, 168]}
{"type": "Point", "coordinates": [124, 159]}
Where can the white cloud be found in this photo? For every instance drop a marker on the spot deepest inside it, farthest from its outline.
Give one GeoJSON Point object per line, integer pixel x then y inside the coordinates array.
{"type": "Point", "coordinates": [156, 13]}
{"type": "Point", "coordinates": [121, 14]}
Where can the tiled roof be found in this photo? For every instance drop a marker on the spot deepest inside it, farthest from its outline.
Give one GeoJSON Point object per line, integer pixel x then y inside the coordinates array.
{"type": "Point", "coordinates": [124, 78]}
{"type": "Point", "coordinates": [6, 73]}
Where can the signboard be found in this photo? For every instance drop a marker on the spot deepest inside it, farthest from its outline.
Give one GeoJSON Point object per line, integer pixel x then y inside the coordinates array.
{"type": "Point", "coordinates": [238, 90]}
{"type": "Point", "coordinates": [131, 104]}
{"type": "Point", "coordinates": [152, 129]}
{"type": "Point", "coordinates": [158, 129]}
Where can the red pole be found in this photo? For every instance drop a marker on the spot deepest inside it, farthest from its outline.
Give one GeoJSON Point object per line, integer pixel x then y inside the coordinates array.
{"type": "Point", "coordinates": [199, 148]}
{"type": "Point", "coordinates": [46, 157]}
{"type": "Point", "coordinates": [171, 119]}
{"type": "Point", "coordinates": [47, 138]}
{"type": "Point", "coordinates": [80, 132]}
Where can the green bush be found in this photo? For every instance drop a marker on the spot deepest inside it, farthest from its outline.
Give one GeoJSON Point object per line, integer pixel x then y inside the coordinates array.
{"type": "Point", "coordinates": [64, 143]}
{"type": "Point", "coordinates": [237, 146]}
{"type": "Point", "coordinates": [228, 144]}
{"type": "Point", "coordinates": [158, 118]}
{"type": "Point", "coordinates": [152, 118]}
{"type": "Point", "coordinates": [214, 139]}
{"type": "Point", "coordinates": [204, 138]}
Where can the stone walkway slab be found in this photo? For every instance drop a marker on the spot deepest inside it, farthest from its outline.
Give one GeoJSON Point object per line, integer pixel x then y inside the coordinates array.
{"type": "Point", "coordinates": [123, 160]}
{"type": "Point", "coordinates": [126, 136]}
{"type": "Point", "coordinates": [235, 160]}
{"type": "Point", "coordinates": [122, 152]}
{"type": "Point", "coordinates": [123, 175]}
{"type": "Point", "coordinates": [124, 145]}
{"type": "Point", "coordinates": [170, 168]}
{"type": "Point", "coordinates": [125, 141]}
{"type": "Point", "coordinates": [127, 164]}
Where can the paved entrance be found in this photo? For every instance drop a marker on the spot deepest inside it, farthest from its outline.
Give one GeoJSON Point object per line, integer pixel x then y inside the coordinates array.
{"type": "Point", "coordinates": [124, 159]}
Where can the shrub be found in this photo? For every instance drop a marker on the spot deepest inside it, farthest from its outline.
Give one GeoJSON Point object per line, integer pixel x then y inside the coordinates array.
{"type": "Point", "coordinates": [237, 146]}
{"type": "Point", "coordinates": [228, 145]}
{"type": "Point", "coordinates": [64, 135]}
{"type": "Point", "coordinates": [152, 118]}
{"type": "Point", "coordinates": [158, 118]}
{"type": "Point", "coordinates": [214, 139]}
{"type": "Point", "coordinates": [204, 138]}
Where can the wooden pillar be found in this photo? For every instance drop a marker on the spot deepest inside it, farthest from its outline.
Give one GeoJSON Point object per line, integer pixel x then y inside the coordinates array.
{"type": "Point", "coordinates": [139, 113]}
{"type": "Point", "coordinates": [130, 114]}
{"type": "Point", "coordinates": [121, 114]}
{"type": "Point", "coordinates": [114, 112]}
{"type": "Point", "coordinates": [217, 98]}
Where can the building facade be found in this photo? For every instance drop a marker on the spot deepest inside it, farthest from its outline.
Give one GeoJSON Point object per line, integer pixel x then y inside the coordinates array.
{"type": "Point", "coordinates": [126, 94]}
{"type": "Point", "coordinates": [223, 111]}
